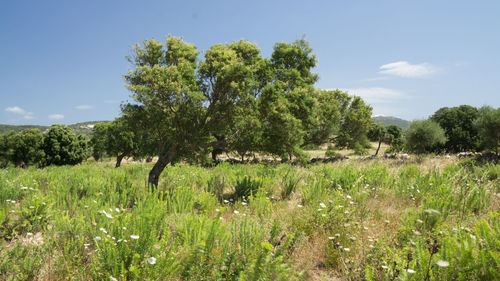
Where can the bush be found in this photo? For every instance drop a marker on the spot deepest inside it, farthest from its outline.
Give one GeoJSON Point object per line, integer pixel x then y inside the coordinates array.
{"type": "Point", "coordinates": [424, 135]}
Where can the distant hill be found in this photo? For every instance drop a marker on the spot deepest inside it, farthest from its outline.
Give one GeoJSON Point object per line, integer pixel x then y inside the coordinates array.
{"type": "Point", "coordinates": [390, 120]}
{"type": "Point", "coordinates": [84, 128]}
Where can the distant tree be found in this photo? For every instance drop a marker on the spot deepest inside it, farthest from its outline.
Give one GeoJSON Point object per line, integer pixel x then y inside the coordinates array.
{"type": "Point", "coordinates": [6, 147]}
{"type": "Point", "coordinates": [98, 140]}
{"type": "Point", "coordinates": [27, 148]}
{"type": "Point", "coordinates": [355, 125]}
{"type": "Point", "coordinates": [377, 133]}
{"type": "Point", "coordinates": [458, 124]}
{"type": "Point", "coordinates": [63, 147]}
{"type": "Point", "coordinates": [424, 135]}
{"type": "Point", "coordinates": [488, 126]}
{"type": "Point", "coordinates": [395, 137]}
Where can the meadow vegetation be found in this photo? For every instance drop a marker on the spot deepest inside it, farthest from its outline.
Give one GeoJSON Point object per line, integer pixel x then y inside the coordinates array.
{"type": "Point", "coordinates": [424, 219]}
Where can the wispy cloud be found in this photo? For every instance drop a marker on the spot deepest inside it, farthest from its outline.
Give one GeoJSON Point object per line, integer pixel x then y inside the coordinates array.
{"type": "Point", "coordinates": [378, 95]}
{"type": "Point", "coordinates": [84, 107]}
{"type": "Point", "coordinates": [405, 69]}
{"type": "Point", "coordinates": [19, 111]}
{"type": "Point", "coordinates": [56, 116]}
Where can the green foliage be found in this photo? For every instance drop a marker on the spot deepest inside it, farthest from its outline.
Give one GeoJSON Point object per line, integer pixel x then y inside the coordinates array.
{"type": "Point", "coordinates": [63, 147]}
{"type": "Point", "coordinates": [424, 136]}
{"type": "Point", "coordinates": [331, 151]}
{"type": "Point", "coordinates": [246, 187]}
{"type": "Point", "coordinates": [488, 126]}
{"type": "Point", "coordinates": [355, 125]}
{"type": "Point", "coordinates": [458, 125]}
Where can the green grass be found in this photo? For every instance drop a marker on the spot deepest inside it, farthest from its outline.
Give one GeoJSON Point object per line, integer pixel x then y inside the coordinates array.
{"type": "Point", "coordinates": [381, 220]}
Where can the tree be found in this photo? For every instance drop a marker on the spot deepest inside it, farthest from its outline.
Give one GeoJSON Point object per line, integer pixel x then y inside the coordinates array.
{"type": "Point", "coordinates": [394, 137]}
{"type": "Point", "coordinates": [424, 135]}
{"type": "Point", "coordinates": [27, 148]}
{"type": "Point", "coordinates": [287, 104]}
{"type": "Point", "coordinates": [98, 140]}
{"type": "Point", "coordinates": [355, 124]}
{"type": "Point", "coordinates": [328, 112]}
{"type": "Point", "coordinates": [488, 126]}
{"type": "Point", "coordinates": [62, 146]}
{"type": "Point", "coordinates": [377, 133]}
{"type": "Point", "coordinates": [457, 123]}
{"type": "Point", "coordinates": [229, 80]}
{"type": "Point", "coordinates": [180, 111]}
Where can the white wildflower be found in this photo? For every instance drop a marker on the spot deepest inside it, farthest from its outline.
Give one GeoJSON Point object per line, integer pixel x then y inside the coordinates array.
{"type": "Point", "coordinates": [112, 278]}
{"type": "Point", "coordinates": [300, 206]}
{"type": "Point", "coordinates": [442, 263]}
{"type": "Point", "coordinates": [103, 230]}
{"type": "Point", "coordinates": [411, 271]}
{"type": "Point", "coordinates": [98, 238]}
{"type": "Point", "coordinates": [134, 236]}
{"type": "Point", "coordinates": [322, 205]}
{"type": "Point", "coordinates": [152, 260]}
{"type": "Point", "coordinates": [236, 212]}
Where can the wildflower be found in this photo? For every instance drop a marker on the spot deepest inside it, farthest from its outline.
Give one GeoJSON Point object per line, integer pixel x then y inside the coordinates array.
{"type": "Point", "coordinates": [322, 205]}
{"type": "Point", "coordinates": [220, 218]}
{"type": "Point", "coordinates": [112, 278]}
{"type": "Point", "coordinates": [348, 197]}
{"type": "Point", "coordinates": [387, 221]}
{"type": "Point", "coordinates": [124, 228]}
{"type": "Point", "coordinates": [331, 237]}
{"type": "Point", "coordinates": [411, 271]}
{"type": "Point", "coordinates": [108, 216]}
{"type": "Point", "coordinates": [117, 210]}
{"type": "Point", "coordinates": [98, 238]}
{"type": "Point", "coordinates": [323, 215]}
{"type": "Point", "coordinates": [340, 206]}
{"type": "Point", "coordinates": [134, 236]}
{"type": "Point", "coordinates": [347, 249]}
{"type": "Point", "coordinates": [103, 230]}
{"type": "Point", "coordinates": [442, 263]}
{"type": "Point", "coordinates": [385, 267]}
{"type": "Point", "coordinates": [86, 245]}
{"type": "Point", "coordinates": [29, 234]}
{"type": "Point", "coordinates": [225, 201]}
{"type": "Point", "coordinates": [24, 187]}
{"type": "Point", "coordinates": [217, 210]}
{"type": "Point", "coordinates": [419, 221]}
{"type": "Point", "coordinates": [300, 206]}
{"type": "Point", "coordinates": [152, 260]}
{"type": "Point", "coordinates": [243, 203]}
{"type": "Point", "coordinates": [319, 210]}
{"type": "Point", "coordinates": [236, 212]}
{"type": "Point", "coordinates": [156, 246]}
{"type": "Point", "coordinates": [365, 228]}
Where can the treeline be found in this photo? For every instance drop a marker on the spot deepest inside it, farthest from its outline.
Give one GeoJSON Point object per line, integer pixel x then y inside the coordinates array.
{"type": "Point", "coordinates": [455, 129]}
{"type": "Point", "coordinates": [59, 145]}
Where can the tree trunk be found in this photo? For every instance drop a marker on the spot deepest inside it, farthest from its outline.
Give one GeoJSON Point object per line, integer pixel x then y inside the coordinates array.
{"type": "Point", "coordinates": [214, 155]}
{"type": "Point", "coordinates": [379, 143]}
{"type": "Point", "coordinates": [119, 159]}
{"type": "Point", "coordinates": [163, 160]}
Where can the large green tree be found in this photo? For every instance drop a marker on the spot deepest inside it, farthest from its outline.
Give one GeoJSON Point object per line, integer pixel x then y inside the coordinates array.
{"type": "Point", "coordinates": [424, 136]}
{"type": "Point", "coordinates": [182, 112]}
{"type": "Point", "coordinates": [488, 126]}
{"type": "Point", "coordinates": [63, 147]}
{"type": "Point", "coordinates": [355, 123]}
{"type": "Point", "coordinates": [458, 125]}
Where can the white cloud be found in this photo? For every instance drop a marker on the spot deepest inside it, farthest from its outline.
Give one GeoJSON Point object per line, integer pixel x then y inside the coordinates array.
{"type": "Point", "coordinates": [56, 116]}
{"type": "Point", "coordinates": [405, 69]}
{"type": "Point", "coordinates": [377, 94]}
{"type": "Point", "coordinates": [15, 110]}
{"type": "Point", "coordinates": [19, 111]}
{"type": "Point", "coordinates": [84, 107]}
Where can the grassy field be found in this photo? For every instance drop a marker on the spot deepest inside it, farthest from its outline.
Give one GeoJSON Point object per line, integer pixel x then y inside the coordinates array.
{"type": "Point", "coordinates": [425, 219]}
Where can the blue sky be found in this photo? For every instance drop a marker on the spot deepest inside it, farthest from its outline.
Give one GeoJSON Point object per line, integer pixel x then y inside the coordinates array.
{"type": "Point", "coordinates": [62, 61]}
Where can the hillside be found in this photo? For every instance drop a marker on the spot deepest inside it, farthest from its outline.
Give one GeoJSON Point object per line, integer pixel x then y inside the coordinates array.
{"type": "Point", "coordinates": [84, 128]}
{"type": "Point", "coordinates": [391, 120]}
